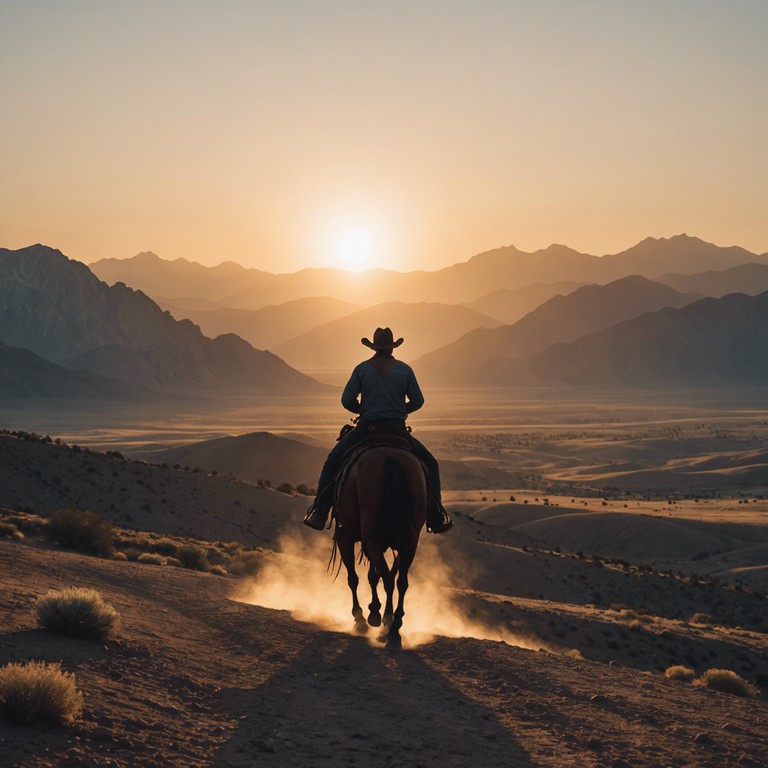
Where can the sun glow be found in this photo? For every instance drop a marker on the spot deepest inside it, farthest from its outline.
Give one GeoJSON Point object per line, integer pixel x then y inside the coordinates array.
{"type": "Point", "coordinates": [355, 249]}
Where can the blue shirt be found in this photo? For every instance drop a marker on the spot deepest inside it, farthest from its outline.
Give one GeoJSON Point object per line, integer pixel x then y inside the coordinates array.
{"type": "Point", "coordinates": [392, 396]}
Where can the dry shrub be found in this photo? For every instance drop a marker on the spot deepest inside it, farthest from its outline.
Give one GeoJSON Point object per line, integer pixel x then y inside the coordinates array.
{"type": "Point", "coordinates": [119, 556]}
{"type": "Point", "coordinates": [245, 564]}
{"type": "Point", "coordinates": [80, 529]}
{"type": "Point", "coordinates": [702, 618]}
{"type": "Point", "coordinates": [680, 672]}
{"type": "Point", "coordinates": [218, 570]}
{"type": "Point", "coordinates": [174, 561]}
{"type": "Point", "coordinates": [77, 612]}
{"type": "Point", "coordinates": [132, 554]}
{"type": "Point", "coordinates": [10, 531]}
{"type": "Point", "coordinates": [150, 558]}
{"type": "Point", "coordinates": [636, 625]}
{"type": "Point", "coordinates": [38, 693]}
{"type": "Point", "coordinates": [164, 546]}
{"type": "Point", "coordinates": [192, 557]}
{"type": "Point", "coordinates": [726, 681]}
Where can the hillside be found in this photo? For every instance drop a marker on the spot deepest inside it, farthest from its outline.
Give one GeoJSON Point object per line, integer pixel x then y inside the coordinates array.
{"type": "Point", "coordinates": [744, 278]}
{"type": "Point", "coordinates": [252, 457]}
{"type": "Point", "coordinates": [509, 305]}
{"type": "Point", "coordinates": [44, 476]}
{"type": "Point", "coordinates": [424, 326]}
{"type": "Point", "coordinates": [268, 327]}
{"type": "Point", "coordinates": [25, 375]}
{"type": "Point", "coordinates": [58, 309]}
{"type": "Point", "coordinates": [561, 319]}
{"type": "Point", "coordinates": [210, 670]}
{"type": "Point", "coordinates": [710, 343]}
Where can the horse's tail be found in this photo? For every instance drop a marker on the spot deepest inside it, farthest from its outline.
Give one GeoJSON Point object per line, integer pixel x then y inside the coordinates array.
{"type": "Point", "coordinates": [397, 500]}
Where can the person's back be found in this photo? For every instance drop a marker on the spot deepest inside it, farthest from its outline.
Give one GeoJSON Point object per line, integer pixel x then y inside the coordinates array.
{"type": "Point", "coordinates": [382, 391]}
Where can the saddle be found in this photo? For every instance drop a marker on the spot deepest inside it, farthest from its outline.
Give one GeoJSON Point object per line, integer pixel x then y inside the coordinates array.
{"type": "Point", "coordinates": [389, 439]}
{"type": "Point", "coordinates": [377, 439]}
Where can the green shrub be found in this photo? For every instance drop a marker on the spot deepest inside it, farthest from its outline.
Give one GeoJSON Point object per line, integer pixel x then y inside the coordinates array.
{"type": "Point", "coordinates": [726, 681]}
{"type": "Point", "coordinates": [680, 672]}
{"type": "Point", "coordinates": [82, 530]}
{"type": "Point", "coordinates": [150, 558]}
{"type": "Point", "coordinates": [77, 612]}
{"type": "Point", "coordinates": [38, 693]}
{"type": "Point", "coordinates": [192, 557]}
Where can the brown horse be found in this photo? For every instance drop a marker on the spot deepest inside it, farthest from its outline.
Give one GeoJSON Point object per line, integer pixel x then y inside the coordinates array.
{"type": "Point", "coordinates": [383, 505]}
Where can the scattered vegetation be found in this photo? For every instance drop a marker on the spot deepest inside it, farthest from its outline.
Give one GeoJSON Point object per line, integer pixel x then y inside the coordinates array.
{"type": "Point", "coordinates": [10, 531]}
{"type": "Point", "coordinates": [151, 558]}
{"type": "Point", "coordinates": [680, 672]}
{"type": "Point", "coordinates": [77, 612]}
{"type": "Point", "coordinates": [702, 618]}
{"type": "Point", "coordinates": [80, 529]}
{"type": "Point", "coordinates": [245, 564]}
{"type": "Point", "coordinates": [727, 681]}
{"type": "Point", "coordinates": [38, 693]}
{"type": "Point", "coordinates": [193, 557]}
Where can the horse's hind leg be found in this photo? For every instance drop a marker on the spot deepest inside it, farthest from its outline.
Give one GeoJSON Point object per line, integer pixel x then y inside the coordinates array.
{"type": "Point", "coordinates": [347, 552]}
{"type": "Point", "coordinates": [374, 608]}
{"type": "Point", "coordinates": [393, 635]}
{"type": "Point", "coordinates": [379, 562]}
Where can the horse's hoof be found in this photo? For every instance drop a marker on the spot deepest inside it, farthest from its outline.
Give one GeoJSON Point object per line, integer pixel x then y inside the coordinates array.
{"type": "Point", "coordinates": [361, 627]}
{"type": "Point", "coordinates": [394, 643]}
{"type": "Point", "coordinates": [374, 619]}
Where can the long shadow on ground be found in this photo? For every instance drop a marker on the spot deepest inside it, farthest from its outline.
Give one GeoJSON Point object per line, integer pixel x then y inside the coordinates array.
{"type": "Point", "coordinates": [343, 702]}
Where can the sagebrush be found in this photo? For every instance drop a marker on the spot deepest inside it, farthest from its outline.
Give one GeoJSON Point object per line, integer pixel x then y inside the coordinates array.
{"type": "Point", "coordinates": [38, 693]}
{"type": "Point", "coordinates": [193, 557]}
{"type": "Point", "coordinates": [727, 681]}
{"type": "Point", "coordinates": [77, 612]}
{"type": "Point", "coordinates": [80, 529]}
{"type": "Point", "coordinates": [680, 672]}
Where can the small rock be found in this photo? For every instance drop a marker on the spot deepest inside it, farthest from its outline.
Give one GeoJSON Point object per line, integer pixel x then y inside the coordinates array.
{"type": "Point", "coordinates": [703, 738]}
{"type": "Point", "coordinates": [598, 698]}
{"type": "Point", "coordinates": [731, 727]}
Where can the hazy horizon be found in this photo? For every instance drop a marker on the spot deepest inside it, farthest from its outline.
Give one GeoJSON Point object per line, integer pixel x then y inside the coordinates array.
{"type": "Point", "coordinates": [408, 137]}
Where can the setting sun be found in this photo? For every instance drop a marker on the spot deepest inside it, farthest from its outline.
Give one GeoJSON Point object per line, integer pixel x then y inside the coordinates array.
{"type": "Point", "coordinates": [355, 249]}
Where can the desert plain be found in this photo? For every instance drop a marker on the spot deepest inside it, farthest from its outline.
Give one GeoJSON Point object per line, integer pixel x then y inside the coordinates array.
{"type": "Point", "coordinates": [599, 541]}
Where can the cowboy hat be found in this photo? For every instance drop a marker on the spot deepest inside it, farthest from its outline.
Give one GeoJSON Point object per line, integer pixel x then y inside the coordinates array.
{"type": "Point", "coordinates": [382, 339]}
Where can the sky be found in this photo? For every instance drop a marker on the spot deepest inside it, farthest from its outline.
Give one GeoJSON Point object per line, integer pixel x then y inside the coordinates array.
{"type": "Point", "coordinates": [406, 135]}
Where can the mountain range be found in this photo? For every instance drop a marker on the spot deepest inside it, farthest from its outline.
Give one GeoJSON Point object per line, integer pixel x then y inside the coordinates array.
{"type": "Point", "coordinates": [61, 311]}
{"type": "Point", "coordinates": [561, 319]}
{"type": "Point", "coordinates": [236, 287]}
{"type": "Point", "coordinates": [714, 342]}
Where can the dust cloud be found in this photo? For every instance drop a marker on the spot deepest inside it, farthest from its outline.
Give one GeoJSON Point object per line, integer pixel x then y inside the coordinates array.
{"type": "Point", "coordinates": [297, 579]}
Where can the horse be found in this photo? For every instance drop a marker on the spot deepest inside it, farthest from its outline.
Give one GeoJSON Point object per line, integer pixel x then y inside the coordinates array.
{"type": "Point", "coordinates": [382, 504]}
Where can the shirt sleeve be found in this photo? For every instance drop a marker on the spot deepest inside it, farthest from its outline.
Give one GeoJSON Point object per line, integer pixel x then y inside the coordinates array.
{"type": "Point", "coordinates": [413, 393]}
{"type": "Point", "coordinates": [349, 397]}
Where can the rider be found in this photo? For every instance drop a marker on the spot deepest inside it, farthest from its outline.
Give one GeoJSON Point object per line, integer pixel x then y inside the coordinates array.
{"type": "Point", "coordinates": [383, 391]}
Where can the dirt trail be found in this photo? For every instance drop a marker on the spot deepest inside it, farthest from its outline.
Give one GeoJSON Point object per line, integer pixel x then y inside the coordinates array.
{"type": "Point", "coordinates": [200, 680]}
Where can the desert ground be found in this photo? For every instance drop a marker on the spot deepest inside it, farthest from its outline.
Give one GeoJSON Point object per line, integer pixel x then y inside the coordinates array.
{"type": "Point", "coordinates": [597, 545]}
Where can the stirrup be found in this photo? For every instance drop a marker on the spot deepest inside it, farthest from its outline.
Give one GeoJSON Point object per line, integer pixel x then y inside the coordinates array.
{"type": "Point", "coordinates": [441, 520]}
{"type": "Point", "coordinates": [316, 517]}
